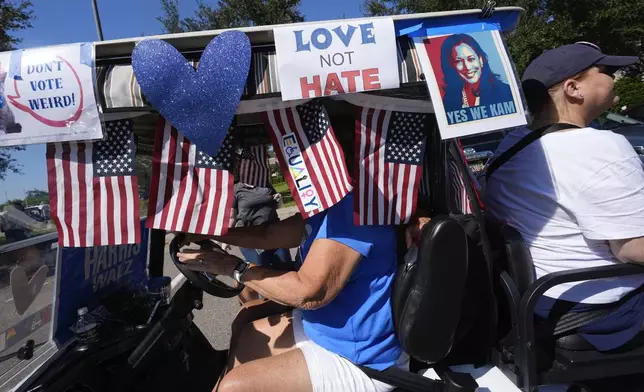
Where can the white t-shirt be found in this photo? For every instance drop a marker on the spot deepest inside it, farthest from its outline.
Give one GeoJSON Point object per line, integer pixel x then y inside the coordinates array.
{"type": "Point", "coordinates": [568, 193]}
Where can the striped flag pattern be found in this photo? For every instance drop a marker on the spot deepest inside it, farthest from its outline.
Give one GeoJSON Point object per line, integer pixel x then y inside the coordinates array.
{"type": "Point", "coordinates": [190, 192]}
{"type": "Point", "coordinates": [458, 193]}
{"type": "Point", "coordinates": [390, 147]}
{"type": "Point", "coordinates": [425, 180]}
{"type": "Point", "coordinates": [253, 166]}
{"type": "Point", "coordinates": [310, 156]}
{"type": "Point", "coordinates": [93, 189]}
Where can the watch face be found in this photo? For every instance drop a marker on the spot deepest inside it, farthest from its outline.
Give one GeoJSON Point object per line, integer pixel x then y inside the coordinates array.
{"type": "Point", "coordinates": [241, 267]}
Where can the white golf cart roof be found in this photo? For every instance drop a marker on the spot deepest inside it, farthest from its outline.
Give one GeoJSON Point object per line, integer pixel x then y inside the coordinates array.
{"type": "Point", "coordinates": [118, 90]}
{"type": "Point", "coordinates": [263, 35]}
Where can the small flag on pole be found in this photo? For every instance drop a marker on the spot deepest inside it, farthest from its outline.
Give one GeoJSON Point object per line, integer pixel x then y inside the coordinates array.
{"type": "Point", "coordinates": [191, 191]}
{"type": "Point", "coordinates": [253, 166]}
{"type": "Point", "coordinates": [93, 189]}
{"type": "Point", "coordinates": [310, 156]}
{"type": "Point", "coordinates": [390, 147]}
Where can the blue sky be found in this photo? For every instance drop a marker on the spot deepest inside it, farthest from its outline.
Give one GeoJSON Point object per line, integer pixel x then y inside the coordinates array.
{"type": "Point", "coordinates": [74, 22]}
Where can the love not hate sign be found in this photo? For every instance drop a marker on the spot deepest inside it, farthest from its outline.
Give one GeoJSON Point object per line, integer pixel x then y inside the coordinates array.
{"type": "Point", "coordinates": [47, 95]}
{"type": "Point", "coordinates": [336, 58]}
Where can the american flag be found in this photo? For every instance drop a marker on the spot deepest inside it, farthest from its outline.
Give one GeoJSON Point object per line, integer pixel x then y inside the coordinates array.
{"type": "Point", "coordinates": [94, 190]}
{"type": "Point", "coordinates": [458, 194]}
{"type": "Point", "coordinates": [253, 166]}
{"type": "Point", "coordinates": [426, 178]}
{"type": "Point", "coordinates": [460, 202]}
{"type": "Point", "coordinates": [191, 191]}
{"type": "Point", "coordinates": [390, 147]}
{"type": "Point", "coordinates": [310, 155]}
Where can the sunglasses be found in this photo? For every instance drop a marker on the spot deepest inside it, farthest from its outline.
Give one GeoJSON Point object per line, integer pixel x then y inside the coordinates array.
{"type": "Point", "coordinates": [610, 71]}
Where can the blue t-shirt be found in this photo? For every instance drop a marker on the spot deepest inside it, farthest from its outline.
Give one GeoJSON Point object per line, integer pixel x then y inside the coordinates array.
{"type": "Point", "coordinates": [358, 323]}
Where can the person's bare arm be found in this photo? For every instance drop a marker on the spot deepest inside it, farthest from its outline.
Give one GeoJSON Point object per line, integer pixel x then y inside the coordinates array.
{"type": "Point", "coordinates": [327, 268]}
{"type": "Point", "coordinates": [628, 251]}
{"type": "Point", "coordinates": [286, 233]}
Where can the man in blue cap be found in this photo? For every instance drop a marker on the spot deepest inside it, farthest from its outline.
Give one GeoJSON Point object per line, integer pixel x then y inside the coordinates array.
{"type": "Point", "coordinates": [576, 194]}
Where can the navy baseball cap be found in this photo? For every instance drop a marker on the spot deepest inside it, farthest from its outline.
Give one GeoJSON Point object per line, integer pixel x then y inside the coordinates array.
{"type": "Point", "coordinates": [556, 65]}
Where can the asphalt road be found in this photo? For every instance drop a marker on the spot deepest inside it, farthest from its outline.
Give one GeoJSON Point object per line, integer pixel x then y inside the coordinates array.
{"type": "Point", "coordinates": [215, 318]}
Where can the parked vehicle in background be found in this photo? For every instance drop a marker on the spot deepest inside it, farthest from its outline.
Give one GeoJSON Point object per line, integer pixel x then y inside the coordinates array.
{"type": "Point", "coordinates": [635, 111]}
{"type": "Point", "coordinates": [39, 212]}
{"type": "Point", "coordinates": [480, 148]}
{"type": "Point", "coordinates": [630, 128]}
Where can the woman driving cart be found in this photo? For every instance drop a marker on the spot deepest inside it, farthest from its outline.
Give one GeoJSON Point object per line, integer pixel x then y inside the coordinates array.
{"type": "Point", "coordinates": [332, 313]}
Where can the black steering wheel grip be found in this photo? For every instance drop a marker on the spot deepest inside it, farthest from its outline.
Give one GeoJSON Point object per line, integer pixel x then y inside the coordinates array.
{"type": "Point", "coordinates": [211, 286]}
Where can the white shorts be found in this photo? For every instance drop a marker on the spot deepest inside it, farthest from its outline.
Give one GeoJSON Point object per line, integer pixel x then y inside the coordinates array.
{"type": "Point", "coordinates": [330, 372]}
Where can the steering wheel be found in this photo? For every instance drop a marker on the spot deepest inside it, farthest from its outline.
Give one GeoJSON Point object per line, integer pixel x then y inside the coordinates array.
{"type": "Point", "coordinates": [206, 282]}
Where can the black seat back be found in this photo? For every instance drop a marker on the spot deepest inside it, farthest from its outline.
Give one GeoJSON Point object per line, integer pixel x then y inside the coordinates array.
{"type": "Point", "coordinates": [428, 292]}
{"type": "Point", "coordinates": [520, 265]}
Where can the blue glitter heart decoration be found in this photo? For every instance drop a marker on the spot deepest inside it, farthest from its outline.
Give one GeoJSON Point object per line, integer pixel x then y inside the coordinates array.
{"type": "Point", "coordinates": [201, 104]}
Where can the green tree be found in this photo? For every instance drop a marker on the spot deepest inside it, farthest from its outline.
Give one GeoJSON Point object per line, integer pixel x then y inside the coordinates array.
{"type": "Point", "coordinates": [14, 16]}
{"type": "Point", "coordinates": [36, 197]}
{"type": "Point", "coordinates": [8, 163]}
{"type": "Point", "coordinates": [170, 20]}
{"type": "Point", "coordinates": [10, 202]}
{"type": "Point", "coordinates": [615, 25]}
{"type": "Point", "coordinates": [229, 14]}
{"type": "Point", "coordinates": [630, 91]}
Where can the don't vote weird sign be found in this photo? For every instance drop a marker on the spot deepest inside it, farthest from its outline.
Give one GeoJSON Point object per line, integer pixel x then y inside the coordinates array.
{"type": "Point", "coordinates": [47, 95]}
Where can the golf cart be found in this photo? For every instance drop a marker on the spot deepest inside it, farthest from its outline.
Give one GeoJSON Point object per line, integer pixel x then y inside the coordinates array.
{"type": "Point", "coordinates": [470, 290]}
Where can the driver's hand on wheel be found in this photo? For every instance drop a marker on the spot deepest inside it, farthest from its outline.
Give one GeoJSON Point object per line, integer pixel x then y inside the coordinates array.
{"type": "Point", "coordinates": [215, 261]}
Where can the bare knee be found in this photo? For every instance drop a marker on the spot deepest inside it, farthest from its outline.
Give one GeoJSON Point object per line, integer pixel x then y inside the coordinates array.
{"type": "Point", "coordinates": [233, 382]}
{"type": "Point", "coordinates": [248, 343]}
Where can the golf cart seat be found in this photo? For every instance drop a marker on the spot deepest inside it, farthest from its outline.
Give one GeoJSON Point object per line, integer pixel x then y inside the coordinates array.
{"type": "Point", "coordinates": [527, 351]}
{"type": "Point", "coordinates": [427, 302]}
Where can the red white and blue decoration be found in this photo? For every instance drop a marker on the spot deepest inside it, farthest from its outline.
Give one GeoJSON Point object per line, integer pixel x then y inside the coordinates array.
{"type": "Point", "coordinates": [191, 191]}
{"type": "Point", "coordinates": [310, 156]}
{"type": "Point", "coordinates": [390, 147]}
{"type": "Point", "coordinates": [253, 166]}
{"type": "Point", "coordinates": [93, 189]}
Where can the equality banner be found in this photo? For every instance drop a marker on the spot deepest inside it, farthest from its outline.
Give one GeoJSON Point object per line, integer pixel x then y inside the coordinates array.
{"type": "Point", "coordinates": [333, 58]}
{"type": "Point", "coordinates": [471, 82]}
{"type": "Point", "coordinates": [47, 95]}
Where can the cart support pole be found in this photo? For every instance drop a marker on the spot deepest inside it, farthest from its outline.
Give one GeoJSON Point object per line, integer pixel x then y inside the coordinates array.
{"type": "Point", "coordinates": [97, 19]}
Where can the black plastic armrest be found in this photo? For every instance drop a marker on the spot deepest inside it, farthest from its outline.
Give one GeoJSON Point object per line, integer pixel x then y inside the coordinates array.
{"type": "Point", "coordinates": [514, 300]}
{"type": "Point", "coordinates": [545, 283]}
{"type": "Point", "coordinates": [525, 324]}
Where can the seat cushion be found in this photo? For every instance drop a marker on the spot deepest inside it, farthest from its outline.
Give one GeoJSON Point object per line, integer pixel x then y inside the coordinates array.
{"type": "Point", "coordinates": [428, 291]}
{"type": "Point", "coordinates": [574, 343]}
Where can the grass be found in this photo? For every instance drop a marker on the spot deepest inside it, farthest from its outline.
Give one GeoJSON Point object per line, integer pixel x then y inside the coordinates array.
{"type": "Point", "coordinates": [282, 189]}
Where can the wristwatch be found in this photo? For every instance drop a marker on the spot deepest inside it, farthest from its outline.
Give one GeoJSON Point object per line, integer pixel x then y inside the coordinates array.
{"type": "Point", "coordinates": [239, 271]}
